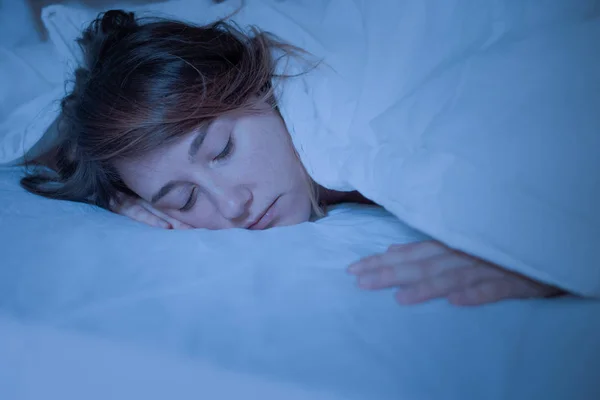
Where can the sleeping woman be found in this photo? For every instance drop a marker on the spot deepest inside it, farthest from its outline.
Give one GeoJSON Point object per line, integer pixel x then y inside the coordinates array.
{"type": "Point", "coordinates": [177, 126]}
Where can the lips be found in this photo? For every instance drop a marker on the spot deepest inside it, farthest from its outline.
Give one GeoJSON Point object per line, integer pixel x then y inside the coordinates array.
{"type": "Point", "coordinates": [265, 218]}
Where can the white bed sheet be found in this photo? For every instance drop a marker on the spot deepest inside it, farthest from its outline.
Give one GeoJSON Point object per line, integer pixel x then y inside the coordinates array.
{"type": "Point", "coordinates": [276, 304]}
{"type": "Point", "coordinates": [42, 363]}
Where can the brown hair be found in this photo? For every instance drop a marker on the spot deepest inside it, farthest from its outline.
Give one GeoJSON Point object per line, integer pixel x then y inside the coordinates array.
{"type": "Point", "coordinates": [143, 84]}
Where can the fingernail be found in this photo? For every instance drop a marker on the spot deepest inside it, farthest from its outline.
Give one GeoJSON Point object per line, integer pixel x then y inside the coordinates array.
{"type": "Point", "coordinates": [166, 225]}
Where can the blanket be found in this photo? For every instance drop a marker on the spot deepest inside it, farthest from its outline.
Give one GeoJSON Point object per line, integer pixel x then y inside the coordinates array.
{"type": "Point", "coordinates": [474, 122]}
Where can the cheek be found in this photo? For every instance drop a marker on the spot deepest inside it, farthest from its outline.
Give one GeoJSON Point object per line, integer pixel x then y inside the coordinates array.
{"type": "Point", "coordinates": [274, 160]}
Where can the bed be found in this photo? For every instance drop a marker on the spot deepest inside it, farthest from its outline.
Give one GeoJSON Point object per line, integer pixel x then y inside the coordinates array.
{"type": "Point", "coordinates": [95, 306]}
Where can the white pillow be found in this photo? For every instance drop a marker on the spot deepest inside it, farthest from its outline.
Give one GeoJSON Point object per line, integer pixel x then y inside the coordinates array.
{"type": "Point", "coordinates": [32, 82]}
{"type": "Point", "coordinates": [65, 23]}
{"type": "Point", "coordinates": [17, 25]}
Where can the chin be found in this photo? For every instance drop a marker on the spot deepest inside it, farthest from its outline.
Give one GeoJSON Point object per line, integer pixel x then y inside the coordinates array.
{"type": "Point", "coordinates": [295, 211]}
{"type": "Point", "coordinates": [289, 221]}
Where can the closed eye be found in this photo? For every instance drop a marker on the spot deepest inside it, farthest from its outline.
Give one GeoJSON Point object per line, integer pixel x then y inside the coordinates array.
{"type": "Point", "coordinates": [191, 201]}
{"type": "Point", "coordinates": [226, 151]}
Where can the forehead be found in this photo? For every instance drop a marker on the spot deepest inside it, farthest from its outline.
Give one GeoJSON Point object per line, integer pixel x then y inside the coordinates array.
{"type": "Point", "coordinates": [144, 173]}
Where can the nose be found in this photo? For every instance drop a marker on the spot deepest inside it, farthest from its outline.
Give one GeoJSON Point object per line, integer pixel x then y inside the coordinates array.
{"type": "Point", "coordinates": [233, 202]}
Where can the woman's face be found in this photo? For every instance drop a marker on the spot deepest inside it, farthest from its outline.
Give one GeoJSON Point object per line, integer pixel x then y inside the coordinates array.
{"type": "Point", "coordinates": [240, 172]}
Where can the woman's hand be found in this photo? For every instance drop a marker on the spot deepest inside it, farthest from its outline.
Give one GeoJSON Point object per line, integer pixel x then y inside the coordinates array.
{"type": "Point", "coordinates": [429, 270]}
{"type": "Point", "coordinates": [142, 211]}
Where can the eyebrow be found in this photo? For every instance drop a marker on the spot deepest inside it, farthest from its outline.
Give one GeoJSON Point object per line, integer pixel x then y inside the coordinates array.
{"type": "Point", "coordinates": [193, 150]}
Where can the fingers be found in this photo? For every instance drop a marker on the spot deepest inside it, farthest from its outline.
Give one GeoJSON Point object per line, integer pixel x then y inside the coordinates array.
{"type": "Point", "coordinates": [398, 254]}
{"type": "Point", "coordinates": [141, 211]}
{"type": "Point", "coordinates": [392, 273]}
{"type": "Point", "coordinates": [178, 225]}
{"type": "Point", "coordinates": [446, 283]}
{"type": "Point", "coordinates": [486, 292]}
{"type": "Point", "coordinates": [171, 222]}
{"type": "Point", "coordinates": [494, 290]}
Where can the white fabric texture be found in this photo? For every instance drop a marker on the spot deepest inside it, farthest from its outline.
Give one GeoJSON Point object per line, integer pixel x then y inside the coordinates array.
{"type": "Point", "coordinates": [475, 122]}
{"type": "Point", "coordinates": [66, 22]}
{"type": "Point", "coordinates": [29, 71]}
{"type": "Point", "coordinates": [31, 85]}
{"type": "Point", "coordinates": [276, 304]}
{"type": "Point", "coordinates": [17, 25]}
{"type": "Point", "coordinates": [43, 363]}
